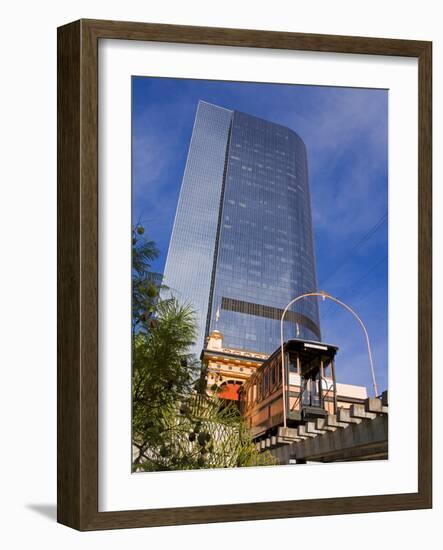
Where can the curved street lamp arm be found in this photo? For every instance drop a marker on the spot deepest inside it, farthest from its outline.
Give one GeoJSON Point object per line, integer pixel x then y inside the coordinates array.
{"type": "Point", "coordinates": [348, 308]}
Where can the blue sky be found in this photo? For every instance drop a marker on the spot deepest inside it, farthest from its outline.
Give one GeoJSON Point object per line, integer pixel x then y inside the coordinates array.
{"type": "Point", "coordinates": [346, 136]}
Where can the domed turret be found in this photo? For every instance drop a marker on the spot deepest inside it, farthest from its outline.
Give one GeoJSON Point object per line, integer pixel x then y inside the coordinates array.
{"type": "Point", "coordinates": [215, 340]}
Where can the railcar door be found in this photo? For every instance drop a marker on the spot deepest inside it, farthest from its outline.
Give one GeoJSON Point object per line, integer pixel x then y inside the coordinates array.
{"type": "Point", "coordinates": [311, 392]}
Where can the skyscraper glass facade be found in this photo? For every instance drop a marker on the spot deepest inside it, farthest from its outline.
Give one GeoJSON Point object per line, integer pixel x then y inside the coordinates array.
{"type": "Point", "coordinates": [242, 244]}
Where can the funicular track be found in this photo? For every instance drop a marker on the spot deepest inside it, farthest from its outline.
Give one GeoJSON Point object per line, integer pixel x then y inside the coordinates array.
{"type": "Point", "coordinates": [357, 433]}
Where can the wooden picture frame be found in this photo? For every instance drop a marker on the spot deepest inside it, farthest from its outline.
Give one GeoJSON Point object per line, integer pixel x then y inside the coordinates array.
{"type": "Point", "coordinates": [78, 244]}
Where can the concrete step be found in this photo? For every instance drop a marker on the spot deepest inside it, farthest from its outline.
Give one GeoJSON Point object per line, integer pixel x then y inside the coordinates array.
{"type": "Point", "coordinates": [344, 415]}
{"type": "Point", "coordinates": [333, 422]}
{"type": "Point", "coordinates": [287, 432]}
{"type": "Point", "coordinates": [373, 405]}
{"type": "Point", "coordinates": [302, 431]}
{"type": "Point", "coordinates": [321, 424]}
{"type": "Point", "coordinates": [311, 428]}
{"type": "Point", "coordinates": [358, 411]}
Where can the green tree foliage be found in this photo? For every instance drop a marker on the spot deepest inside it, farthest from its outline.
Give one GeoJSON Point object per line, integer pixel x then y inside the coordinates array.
{"type": "Point", "coordinates": [163, 373]}
{"type": "Point", "coordinates": [175, 423]}
{"type": "Point", "coordinates": [206, 433]}
{"type": "Point", "coordinates": [146, 284]}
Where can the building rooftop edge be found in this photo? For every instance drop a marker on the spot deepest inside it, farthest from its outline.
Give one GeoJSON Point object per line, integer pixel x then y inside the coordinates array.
{"type": "Point", "coordinates": [253, 116]}
{"type": "Point", "coordinates": [215, 105]}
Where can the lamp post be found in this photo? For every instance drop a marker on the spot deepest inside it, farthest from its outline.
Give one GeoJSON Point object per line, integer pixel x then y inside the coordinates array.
{"type": "Point", "coordinates": [324, 295]}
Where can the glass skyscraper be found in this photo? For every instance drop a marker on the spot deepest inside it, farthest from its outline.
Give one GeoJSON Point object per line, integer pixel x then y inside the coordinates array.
{"type": "Point", "coordinates": [242, 245]}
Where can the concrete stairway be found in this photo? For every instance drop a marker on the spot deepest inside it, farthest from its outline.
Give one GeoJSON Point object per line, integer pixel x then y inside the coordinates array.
{"type": "Point", "coordinates": [357, 433]}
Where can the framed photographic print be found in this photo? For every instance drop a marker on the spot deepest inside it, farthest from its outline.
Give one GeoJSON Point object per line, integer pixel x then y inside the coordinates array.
{"type": "Point", "coordinates": [244, 275]}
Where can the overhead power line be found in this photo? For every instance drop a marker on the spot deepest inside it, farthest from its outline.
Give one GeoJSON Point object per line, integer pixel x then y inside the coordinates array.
{"type": "Point", "coordinates": [356, 246]}
{"type": "Point", "coordinates": [354, 286]}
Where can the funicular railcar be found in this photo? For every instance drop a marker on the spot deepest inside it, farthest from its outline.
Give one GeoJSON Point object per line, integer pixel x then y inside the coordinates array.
{"type": "Point", "coordinates": [310, 388]}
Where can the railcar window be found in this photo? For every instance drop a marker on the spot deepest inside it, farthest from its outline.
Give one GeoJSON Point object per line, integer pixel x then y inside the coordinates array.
{"type": "Point", "coordinates": [266, 382]}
